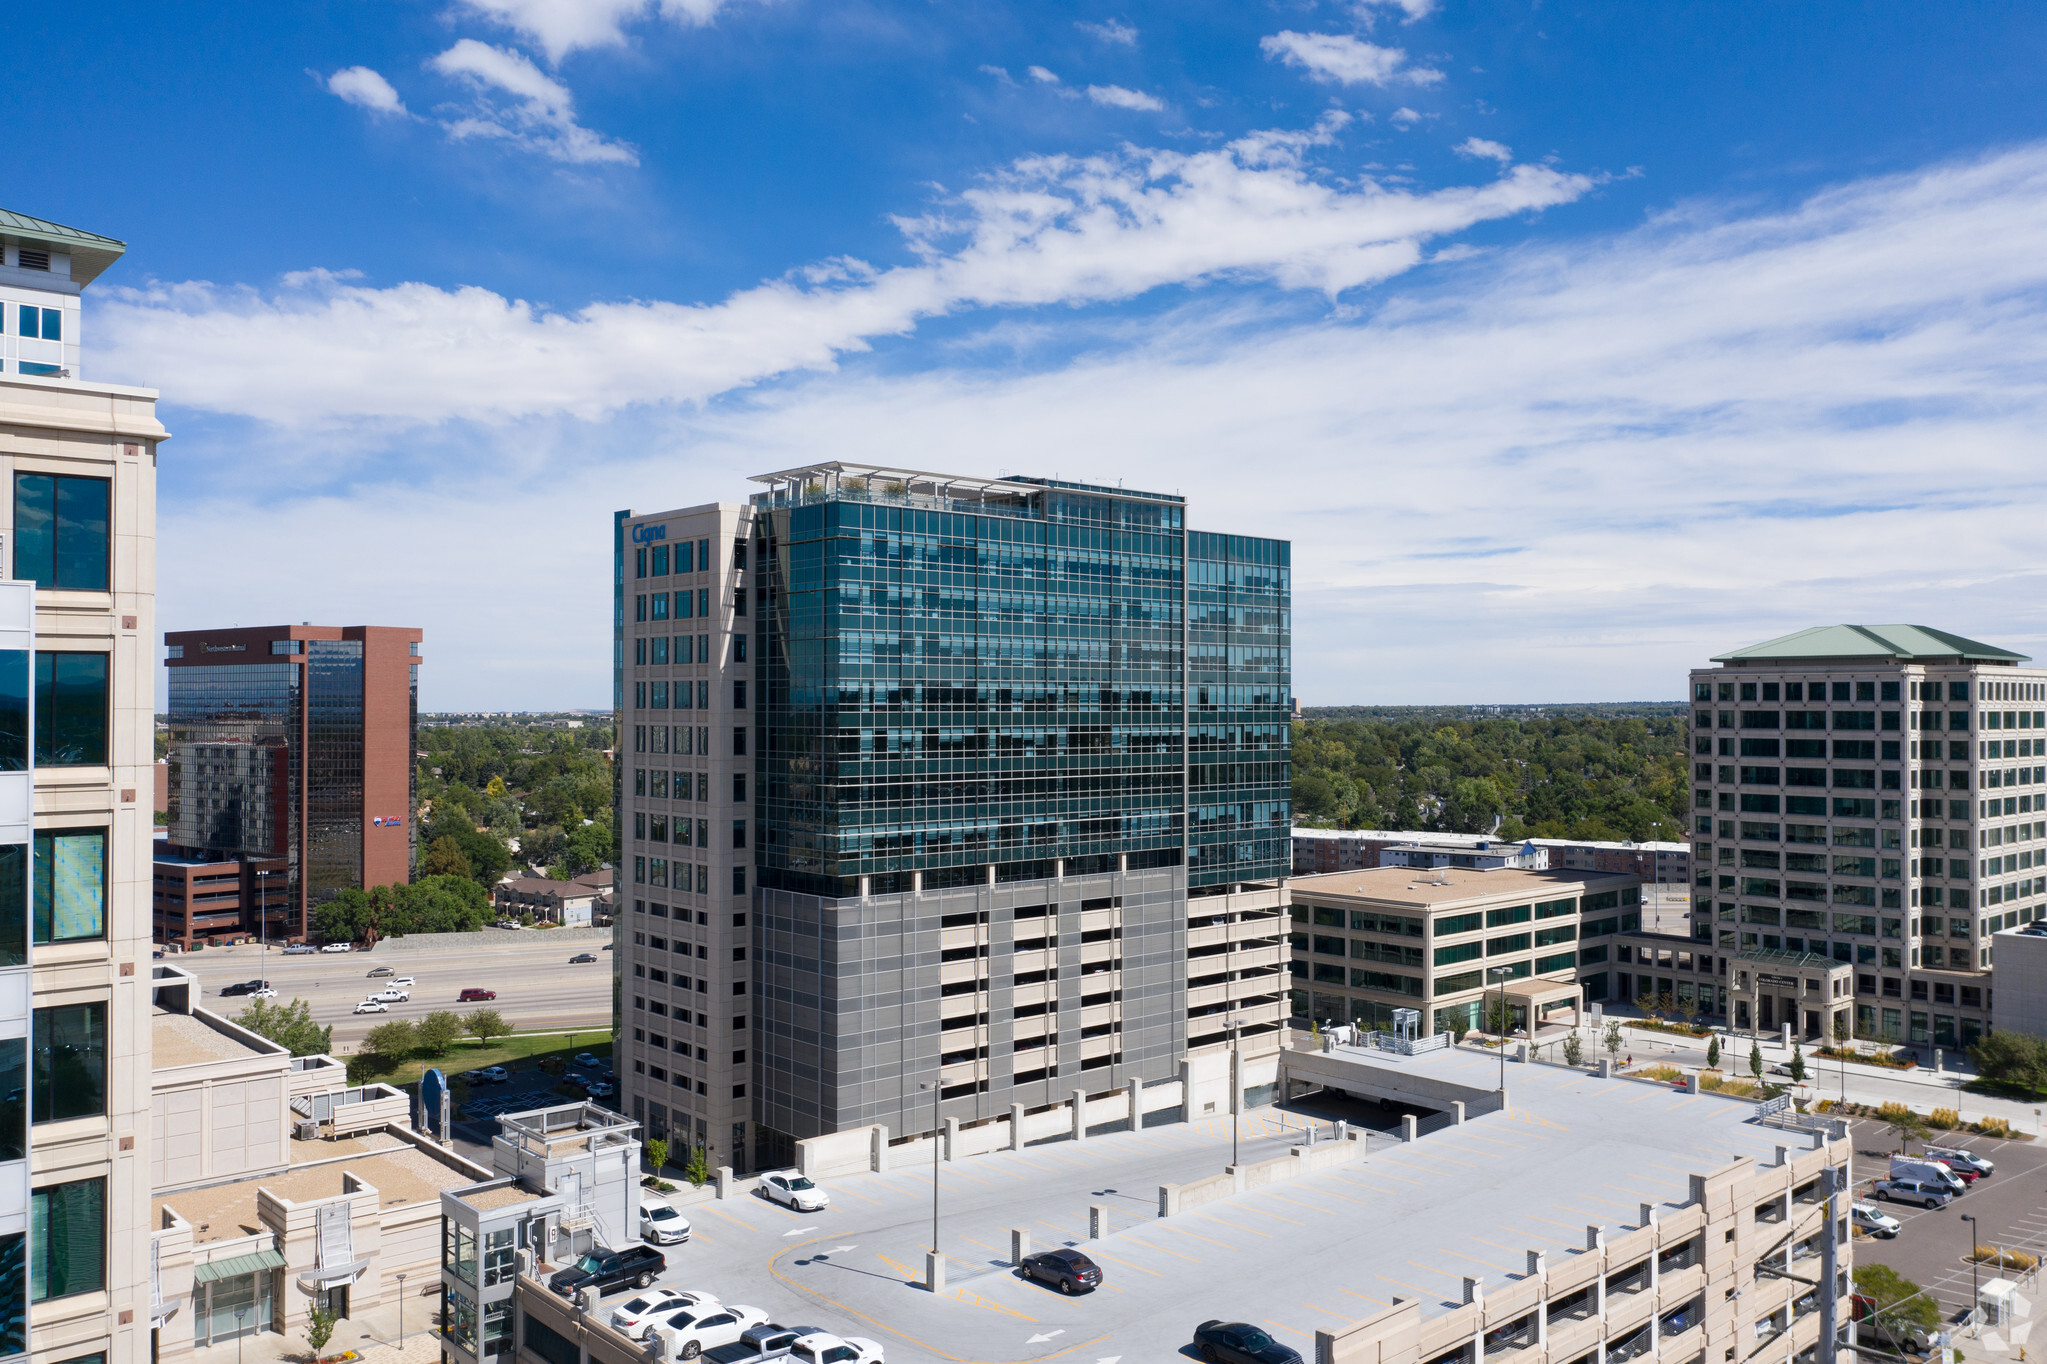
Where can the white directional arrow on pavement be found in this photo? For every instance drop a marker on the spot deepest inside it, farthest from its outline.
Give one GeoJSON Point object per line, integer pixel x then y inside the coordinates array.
{"type": "Point", "coordinates": [836, 1249]}
{"type": "Point", "coordinates": [800, 1231]}
{"type": "Point", "coordinates": [1040, 1340]}
{"type": "Point", "coordinates": [1109, 1359]}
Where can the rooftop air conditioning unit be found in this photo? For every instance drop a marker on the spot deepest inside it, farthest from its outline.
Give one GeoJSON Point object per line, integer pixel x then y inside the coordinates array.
{"type": "Point", "coordinates": [306, 1130]}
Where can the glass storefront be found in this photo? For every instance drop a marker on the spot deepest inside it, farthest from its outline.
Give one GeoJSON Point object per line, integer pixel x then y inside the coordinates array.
{"type": "Point", "coordinates": [227, 1309]}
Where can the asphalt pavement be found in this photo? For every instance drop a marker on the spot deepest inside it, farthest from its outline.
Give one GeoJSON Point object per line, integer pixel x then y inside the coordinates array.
{"type": "Point", "coordinates": [537, 988]}
{"type": "Point", "coordinates": [1932, 1248]}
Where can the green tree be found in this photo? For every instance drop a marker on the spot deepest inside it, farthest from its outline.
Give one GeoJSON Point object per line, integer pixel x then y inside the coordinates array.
{"type": "Point", "coordinates": [319, 1328]}
{"type": "Point", "coordinates": [1755, 1059]}
{"type": "Point", "coordinates": [1841, 1028]}
{"type": "Point", "coordinates": [1902, 1123]}
{"type": "Point", "coordinates": [657, 1154]}
{"type": "Point", "coordinates": [1613, 1040]}
{"type": "Point", "coordinates": [1895, 1299]}
{"type": "Point", "coordinates": [588, 846]}
{"type": "Point", "coordinates": [2012, 1058]}
{"type": "Point", "coordinates": [1797, 1066]}
{"type": "Point", "coordinates": [446, 858]}
{"type": "Point", "coordinates": [1574, 1049]}
{"type": "Point", "coordinates": [289, 1025]}
{"type": "Point", "coordinates": [485, 1024]}
{"type": "Point", "coordinates": [397, 1039]}
{"type": "Point", "coordinates": [1713, 1053]}
{"type": "Point", "coordinates": [438, 1031]}
{"type": "Point", "coordinates": [698, 1171]}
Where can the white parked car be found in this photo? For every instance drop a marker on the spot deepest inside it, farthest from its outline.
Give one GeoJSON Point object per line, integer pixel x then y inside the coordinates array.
{"type": "Point", "coordinates": [825, 1348]}
{"type": "Point", "coordinates": [338, 947]}
{"type": "Point", "coordinates": [1874, 1220]}
{"type": "Point", "coordinates": [636, 1316]}
{"type": "Point", "coordinates": [392, 994]}
{"type": "Point", "coordinates": [792, 1189]}
{"type": "Point", "coordinates": [405, 981]}
{"type": "Point", "coordinates": [373, 1006]}
{"type": "Point", "coordinates": [662, 1225]}
{"type": "Point", "coordinates": [693, 1330]}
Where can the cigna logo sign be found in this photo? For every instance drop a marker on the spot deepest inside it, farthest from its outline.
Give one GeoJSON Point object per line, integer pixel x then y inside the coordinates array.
{"type": "Point", "coordinates": [647, 535]}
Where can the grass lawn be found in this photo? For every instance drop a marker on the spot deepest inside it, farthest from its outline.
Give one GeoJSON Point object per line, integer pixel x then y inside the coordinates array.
{"type": "Point", "coordinates": [520, 1051]}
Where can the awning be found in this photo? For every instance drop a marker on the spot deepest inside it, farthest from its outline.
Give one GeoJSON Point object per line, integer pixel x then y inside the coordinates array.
{"type": "Point", "coordinates": [326, 1276]}
{"type": "Point", "coordinates": [254, 1263]}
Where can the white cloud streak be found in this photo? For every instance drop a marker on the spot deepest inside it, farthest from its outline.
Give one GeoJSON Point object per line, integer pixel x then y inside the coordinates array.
{"type": "Point", "coordinates": [1039, 73]}
{"type": "Point", "coordinates": [1117, 97]}
{"type": "Point", "coordinates": [366, 89]}
{"type": "Point", "coordinates": [559, 27]}
{"type": "Point", "coordinates": [1558, 473]}
{"type": "Point", "coordinates": [1110, 31]}
{"type": "Point", "coordinates": [1482, 149]}
{"type": "Point", "coordinates": [1410, 10]}
{"type": "Point", "coordinates": [1346, 60]}
{"type": "Point", "coordinates": [540, 114]}
{"type": "Point", "coordinates": [324, 350]}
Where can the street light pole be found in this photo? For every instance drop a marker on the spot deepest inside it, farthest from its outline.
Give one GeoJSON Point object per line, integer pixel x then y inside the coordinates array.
{"type": "Point", "coordinates": [1234, 1072]}
{"type": "Point", "coordinates": [401, 1309]}
{"type": "Point", "coordinates": [1973, 1250]}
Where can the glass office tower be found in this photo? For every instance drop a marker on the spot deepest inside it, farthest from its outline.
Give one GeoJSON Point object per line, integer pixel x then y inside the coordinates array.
{"type": "Point", "coordinates": [1009, 734]}
{"type": "Point", "coordinates": [291, 758]}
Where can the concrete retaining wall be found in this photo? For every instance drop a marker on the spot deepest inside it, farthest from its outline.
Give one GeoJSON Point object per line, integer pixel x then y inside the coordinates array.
{"type": "Point", "coordinates": [1175, 1199]}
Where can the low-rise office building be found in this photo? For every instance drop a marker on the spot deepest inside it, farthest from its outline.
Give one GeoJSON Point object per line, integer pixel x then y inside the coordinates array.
{"type": "Point", "coordinates": [1654, 864]}
{"type": "Point", "coordinates": [1371, 941]}
{"type": "Point", "coordinates": [277, 1186]}
{"type": "Point", "coordinates": [568, 903]}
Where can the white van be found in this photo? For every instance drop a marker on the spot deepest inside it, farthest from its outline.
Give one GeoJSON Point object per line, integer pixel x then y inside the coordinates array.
{"type": "Point", "coordinates": [1928, 1172]}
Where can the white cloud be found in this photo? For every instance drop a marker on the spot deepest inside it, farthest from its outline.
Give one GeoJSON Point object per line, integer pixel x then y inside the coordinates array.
{"type": "Point", "coordinates": [359, 85]}
{"type": "Point", "coordinates": [1000, 73]}
{"type": "Point", "coordinates": [1117, 97]}
{"type": "Point", "coordinates": [1368, 10]}
{"type": "Point", "coordinates": [1480, 147]}
{"type": "Point", "coordinates": [541, 114]}
{"type": "Point", "coordinates": [1109, 31]}
{"type": "Point", "coordinates": [1404, 117]}
{"type": "Point", "coordinates": [1347, 60]}
{"type": "Point", "coordinates": [1039, 73]}
{"type": "Point", "coordinates": [1050, 229]}
{"type": "Point", "coordinates": [559, 27]}
{"type": "Point", "coordinates": [1556, 473]}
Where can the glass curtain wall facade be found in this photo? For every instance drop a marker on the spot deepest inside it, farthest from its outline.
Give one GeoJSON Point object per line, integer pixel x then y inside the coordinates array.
{"type": "Point", "coordinates": [333, 767]}
{"type": "Point", "coordinates": [1239, 706]}
{"type": "Point", "coordinates": [234, 732]}
{"type": "Point", "coordinates": [945, 691]}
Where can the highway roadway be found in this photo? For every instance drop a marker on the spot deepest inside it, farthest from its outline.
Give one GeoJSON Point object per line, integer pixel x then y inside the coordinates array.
{"type": "Point", "coordinates": [538, 990]}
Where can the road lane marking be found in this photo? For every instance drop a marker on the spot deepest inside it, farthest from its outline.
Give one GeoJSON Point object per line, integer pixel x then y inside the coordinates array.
{"type": "Point", "coordinates": [1253, 1207]}
{"type": "Point", "coordinates": [1197, 1236]}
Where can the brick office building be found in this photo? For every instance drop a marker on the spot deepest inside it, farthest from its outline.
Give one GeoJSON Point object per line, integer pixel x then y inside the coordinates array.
{"type": "Point", "coordinates": [292, 756]}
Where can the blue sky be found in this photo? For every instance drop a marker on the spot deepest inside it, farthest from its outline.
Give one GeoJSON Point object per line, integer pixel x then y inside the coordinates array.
{"type": "Point", "coordinates": [1570, 347]}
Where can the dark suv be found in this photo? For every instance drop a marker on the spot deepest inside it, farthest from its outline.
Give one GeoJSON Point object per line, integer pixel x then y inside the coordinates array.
{"type": "Point", "coordinates": [607, 1271]}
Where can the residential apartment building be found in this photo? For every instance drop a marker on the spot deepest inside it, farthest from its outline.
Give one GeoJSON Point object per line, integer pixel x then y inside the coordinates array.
{"type": "Point", "coordinates": [76, 619]}
{"type": "Point", "coordinates": [1442, 940]}
{"type": "Point", "coordinates": [979, 784]}
{"type": "Point", "coordinates": [1875, 795]}
{"type": "Point", "coordinates": [291, 757]}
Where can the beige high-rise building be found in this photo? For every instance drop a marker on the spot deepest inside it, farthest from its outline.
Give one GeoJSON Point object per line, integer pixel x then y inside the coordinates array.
{"type": "Point", "coordinates": [1874, 795]}
{"type": "Point", "coordinates": [80, 524]}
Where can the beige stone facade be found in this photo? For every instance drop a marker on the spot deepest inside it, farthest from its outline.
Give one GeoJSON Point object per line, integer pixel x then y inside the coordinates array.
{"type": "Point", "coordinates": [68, 427]}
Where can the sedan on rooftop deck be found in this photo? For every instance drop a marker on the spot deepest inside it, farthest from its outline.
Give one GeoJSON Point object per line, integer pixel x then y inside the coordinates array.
{"type": "Point", "coordinates": [1236, 1342]}
{"type": "Point", "coordinates": [636, 1315]}
{"type": "Point", "coordinates": [790, 1188]}
{"type": "Point", "coordinates": [1069, 1271]}
{"type": "Point", "coordinates": [690, 1332]}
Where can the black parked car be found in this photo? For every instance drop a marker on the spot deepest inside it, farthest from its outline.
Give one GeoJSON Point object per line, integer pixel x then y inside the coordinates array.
{"type": "Point", "coordinates": [772, 1335]}
{"type": "Point", "coordinates": [247, 987]}
{"type": "Point", "coordinates": [1233, 1342]}
{"type": "Point", "coordinates": [607, 1271]}
{"type": "Point", "coordinates": [1069, 1271]}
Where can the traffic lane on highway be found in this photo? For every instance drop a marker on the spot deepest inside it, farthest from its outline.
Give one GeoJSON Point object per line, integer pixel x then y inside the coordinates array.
{"type": "Point", "coordinates": [536, 988]}
{"type": "Point", "coordinates": [1932, 1247]}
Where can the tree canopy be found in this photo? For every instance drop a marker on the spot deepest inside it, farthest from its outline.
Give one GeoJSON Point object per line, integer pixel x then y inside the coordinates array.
{"type": "Point", "coordinates": [432, 904]}
{"type": "Point", "coordinates": [290, 1025]}
{"type": "Point", "coordinates": [482, 786]}
{"type": "Point", "coordinates": [1593, 773]}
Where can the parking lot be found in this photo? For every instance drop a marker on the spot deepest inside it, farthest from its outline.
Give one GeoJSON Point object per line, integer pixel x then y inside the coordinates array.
{"type": "Point", "coordinates": [1932, 1248]}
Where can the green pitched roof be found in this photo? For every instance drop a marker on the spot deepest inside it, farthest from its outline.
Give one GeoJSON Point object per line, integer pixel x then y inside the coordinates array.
{"type": "Point", "coordinates": [1910, 643]}
{"type": "Point", "coordinates": [90, 253]}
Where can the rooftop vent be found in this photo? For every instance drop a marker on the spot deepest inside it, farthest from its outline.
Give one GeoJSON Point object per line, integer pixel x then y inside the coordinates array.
{"type": "Point", "coordinates": [33, 260]}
